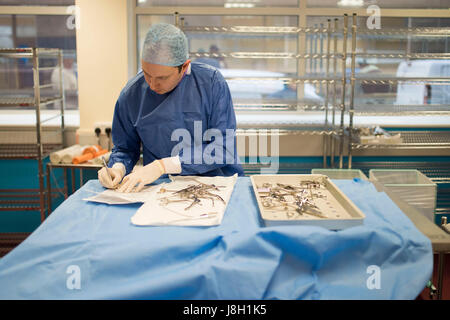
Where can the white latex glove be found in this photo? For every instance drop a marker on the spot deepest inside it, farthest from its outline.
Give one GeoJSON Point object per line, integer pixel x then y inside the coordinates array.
{"type": "Point", "coordinates": [135, 181]}
{"type": "Point", "coordinates": [111, 177]}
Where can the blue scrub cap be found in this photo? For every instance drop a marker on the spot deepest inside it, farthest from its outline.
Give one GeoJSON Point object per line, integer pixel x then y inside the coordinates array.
{"type": "Point", "coordinates": [166, 45]}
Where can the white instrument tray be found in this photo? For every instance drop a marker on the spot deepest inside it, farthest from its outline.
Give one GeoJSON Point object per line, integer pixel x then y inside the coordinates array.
{"type": "Point", "coordinates": [338, 211]}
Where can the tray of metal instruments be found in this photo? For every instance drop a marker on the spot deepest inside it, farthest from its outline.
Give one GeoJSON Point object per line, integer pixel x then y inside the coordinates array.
{"type": "Point", "coordinates": [304, 199]}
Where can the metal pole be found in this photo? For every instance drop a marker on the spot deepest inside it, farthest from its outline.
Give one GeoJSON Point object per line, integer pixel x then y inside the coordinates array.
{"type": "Point", "coordinates": [333, 119]}
{"type": "Point", "coordinates": [177, 20]}
{"type": "Point", "coordinates": [81, 177]}
{"type": "Point", "coordinates": [62, 97]}
{"type": "Point", "coordinates": [344, 79]}
{"type": "Point", "coordinates": [315, 51]}
{"type": "Point", "coordinates": [326, 137]}
{"type": "Point", "coordinates": [352, 97]}
{"type": "Point", "coordinates": [441, 257]}
{"type": "Point", "coordinates": [408, 41]}
{"type": "Point", "coordinates": [37, 104]}
{"type": "Point", "coordinates": [321, 48]}
{"type": "Point", "coordinates": [311, 52]}
{"type": "Point", "coordinates": [321, 36]}
{"type": "Point", "coordinates": [49, 191]}
{"type": "Point", "coordinates": [66, 187]}
{"type": "Point", "coordinates": [72, 172]}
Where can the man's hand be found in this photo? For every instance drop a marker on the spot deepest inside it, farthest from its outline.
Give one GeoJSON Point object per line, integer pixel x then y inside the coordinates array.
{"type": "Point", "coordinates": [135, 181]}
{"type": "Point", "coordinates": [111, 177]}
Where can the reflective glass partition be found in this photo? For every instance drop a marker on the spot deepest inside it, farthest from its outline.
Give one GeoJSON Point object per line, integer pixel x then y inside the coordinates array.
{"type": "Point", "coordinates": [218, 3]}
{"type": "Point", "coordinates": [400, 48]}
{"type": "Point", "coordinates": [386, 4]}
{"type": "Point", "coordinates": [37, 2]}
{"type": "Point", "coordinates": [41, 31]}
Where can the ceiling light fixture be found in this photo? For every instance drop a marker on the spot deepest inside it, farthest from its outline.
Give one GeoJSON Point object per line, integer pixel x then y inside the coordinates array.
{"type": "Point", "coordinates": [350, 3]}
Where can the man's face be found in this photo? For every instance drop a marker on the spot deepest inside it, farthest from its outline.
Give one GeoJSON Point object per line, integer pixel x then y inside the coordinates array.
{"type": "Point", "coordinates": [68, 63]}
{"type": "Point", "coordinates": [162, 79]}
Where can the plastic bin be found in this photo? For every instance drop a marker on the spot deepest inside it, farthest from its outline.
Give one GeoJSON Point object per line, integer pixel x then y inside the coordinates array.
{"type": "Point", "coordinates": [412, 186]}
{"type": "Point", "coordinates": [341, 174]}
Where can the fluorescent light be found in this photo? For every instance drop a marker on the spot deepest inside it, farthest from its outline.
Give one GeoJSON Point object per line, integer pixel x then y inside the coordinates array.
{"type": "Point", "coordinates": [239, 5]}
{"type": "Point", "coordinates": [350, 3]}
{"type": "Point", "coordinates": [243, 1]}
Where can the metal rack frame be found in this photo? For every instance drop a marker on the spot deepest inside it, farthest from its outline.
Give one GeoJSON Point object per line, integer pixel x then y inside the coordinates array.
{"type": "Point", "coordinates": [425, 140]}
{"type": "Point", "coordinates": [434, 139]}
{"type": "Point", "coordinates": [39, 150]}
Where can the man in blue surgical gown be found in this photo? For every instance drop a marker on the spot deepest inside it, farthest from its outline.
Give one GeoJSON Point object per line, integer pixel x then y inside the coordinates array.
{"type": "Point", "coordinates": [181, 113]}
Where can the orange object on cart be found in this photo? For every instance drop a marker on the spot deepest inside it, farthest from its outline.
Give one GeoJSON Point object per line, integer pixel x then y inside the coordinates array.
{"type": "Point", "coordinates": [94, 149]}
{"type": "Point", "coordinates": [89, 153]}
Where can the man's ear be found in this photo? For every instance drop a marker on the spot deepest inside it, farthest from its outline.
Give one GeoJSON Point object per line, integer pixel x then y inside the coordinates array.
{"type": "Point", "coordinates": [186, 64]}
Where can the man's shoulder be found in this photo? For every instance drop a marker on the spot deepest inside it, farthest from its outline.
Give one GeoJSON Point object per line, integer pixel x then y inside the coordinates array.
{"type": "Point", "coordinates": [206, 72]}
{"type": "Point", "coordinates": [203, 69]}
{"type": "Point", "coordinates": [133, 85]}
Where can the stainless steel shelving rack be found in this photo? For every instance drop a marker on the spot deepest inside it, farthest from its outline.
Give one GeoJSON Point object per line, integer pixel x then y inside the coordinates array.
{"type": "Point", "coordinates": [32, 199]}
{"type": "Point", "coordinates": [332, 129]}
{"type": "Point", "coordinates": [421, 142]}
{"type": "Point", "coordinates": [437, 140]}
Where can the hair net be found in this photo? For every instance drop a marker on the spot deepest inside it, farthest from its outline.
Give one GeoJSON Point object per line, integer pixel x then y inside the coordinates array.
{"type": "Point", "coordinates": [166, 45]}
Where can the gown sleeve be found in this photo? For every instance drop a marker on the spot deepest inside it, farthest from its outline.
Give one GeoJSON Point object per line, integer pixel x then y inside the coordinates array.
{"type": "Point", "coordinates": [125, 138]}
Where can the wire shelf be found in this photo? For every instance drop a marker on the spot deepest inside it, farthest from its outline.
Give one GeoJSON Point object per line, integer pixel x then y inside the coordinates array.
{"type": "Point", "coordinates": [331, 80]}
{"type": "Point", "coordinates": [277, 107]}
{"type": "Point", "coordinates": [420, 32]}
{"type": "Point", "coordinates": [26, 101]}
{"type": "Point", "coordinates": [254, 29]}
{"type": "Point", "coordinates": [425, 137]}
{"type": "Point", "coordinates": [404, 80]}
{"type": "Point", "coordinates": [8, 241]}
{"type": "Point", "coordinates": [400, 110]}
{"type": "Point", "coordinates": [265, 55]}
{"type": "Point", "coordinates": [292, 55]}
{"type": "Point", "coordinates": [405, 55]}
{"type": "Point", "coordinates": [284, 132]}
{"type": "Point", "coordinates": [425, 32]}
{"type": "Point", "coordinates": [27, 52]}
{"type": "Point", "coordinates": [26, 151]}
{"type": "Point", "coordinates": [414, 139]}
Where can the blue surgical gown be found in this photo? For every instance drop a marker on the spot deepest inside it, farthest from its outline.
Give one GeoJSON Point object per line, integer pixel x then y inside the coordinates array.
{"type": "Point", "coordinates": [195, 121]}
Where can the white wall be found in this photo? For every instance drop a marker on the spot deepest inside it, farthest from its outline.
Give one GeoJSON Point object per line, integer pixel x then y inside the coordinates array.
{"type": "Point", "coordinates": [102, 54]}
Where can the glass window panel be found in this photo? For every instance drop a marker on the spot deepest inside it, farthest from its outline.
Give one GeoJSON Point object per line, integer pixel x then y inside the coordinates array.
{"type": "Point", "coordinates": [37, 2]}
{"type": "Point", "coordinates": [231, 43]}
{"type": "Point", "coordinates": [42, 31]}
{"type": "Point", "coordinates": [385, 45]}
{"type": "Point", "coordinates": [219, 3]}
{"type": "Point", "coordinates": [6, 31]}
{"type": "Point", "coordinates": [228, 43]}
{"type": "Point", "coordinates": [400, 4]}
